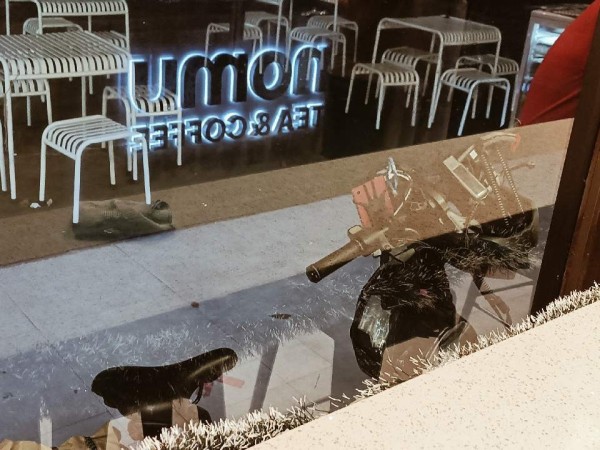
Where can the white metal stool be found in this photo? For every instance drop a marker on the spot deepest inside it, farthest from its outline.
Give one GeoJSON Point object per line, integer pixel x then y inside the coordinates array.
{"type": "Point", "coordinates": [147, 104]}
{"type": "Point", "coordinates": [251, 33]}
{"type": "Point", "coordinates": [504, 67]}
{"type": "Point", "coordinates": [311, 35]}
{"type": "Point", "coordinates": [257, 18]}
{"type": "Point", "coordinates": [326, 22]}
{"type": "Point", "coordinates": [73, 136]}
{"type": "Point", "coordinates": [389, 75]}
{"type": "Point", "coordinates": [410, 56]}
{"type": "Point", "coordinates": [28, 89]}
{"type": "Point", "coordinates": [31, 26]}
{"type": "Point", "coordinates": [469, 80]}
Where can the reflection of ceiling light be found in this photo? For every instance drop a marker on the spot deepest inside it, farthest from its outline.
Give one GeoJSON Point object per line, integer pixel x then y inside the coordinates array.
{"type": "Point", "coordinates": [375, 321]}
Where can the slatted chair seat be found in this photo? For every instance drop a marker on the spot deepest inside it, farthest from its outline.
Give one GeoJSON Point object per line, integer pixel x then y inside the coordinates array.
{"type": "Point", "coordinates": [28, 89]}
{"type": "Point", "coordinates": [468, 80]}
{"type": "Point", "coordinates": [327, 22]}
{"type": "Point", "coordinates": [145, 104]}
{"type": "Point", "coordinates": [81, 7]}
{"type": "Point", "coordinates": [257, 18]}
{"type": "Point", "coordinates": [113, 37]}
{"type": "Point", "coordinates": [21, 88]}
{"type": "Point", "coordinates": [32, 25]}
{"type": "Point", "coordinates": [465, 79]}
{"type": "Point", "coordinates": [408, 56]}
{"type": "Point", "coordinates": [56, 9]}
{"type": "Point", "coordinates": [73, 136]}
{"type": "Point", "coordinates": [251, 33]}
{"type": "Point", "coordinates": [311, 35]}
{"type": "Point", "coordinates": [146, 100]}
{"type": "Point", "coordinates": [504, 67]}
{"type": "Point", "coordinates": [389, 75]}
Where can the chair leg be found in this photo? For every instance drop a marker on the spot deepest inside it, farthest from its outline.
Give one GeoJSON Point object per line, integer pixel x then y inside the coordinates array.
{"type": "Point", "coordinates": [48, 105]}
{"type": "Point", "coordinates": [352, 75]}
{"type": "Point", "coordinates": [131, 121]}
{"type": "Point", "coordinates": [380, 106]}
{"type": "Point", "coordinates": [465, 111]}
{"type": "Point", "coordinates": [146, 171]}
{"type": "Point", "coordinates": [134, 162]}
{"type": "Point", "coordinates": [489, 102]}
{"type": "Point", "coordinates": [83, 96]}
{"type": "Point", "coordinates": [408, 95]}
{"type": "Point", "coordinates": [436, 101]}
{"type": "Point", "coordinates": [2, 162]}
{"type": "Point", "coordinates": [104, 110]}
{"type": "Point", "coordinates": [111, 162]}
{"type": "Point", "coordinates": [424, 86]}
{"type": "Point", "coordinates": [414, 109]}
{"type": "Point", "coordinates": [355, 43]}
{"type": "Point", "coordinates": [206, 44]}
{"type": "Point", "coordinates": [28, 111]}
{"type": "Point", "coordinates": [43, 149]}
{"type": "Point", "coordinates": [475, 99]}
{"type": "Point", "coordinates": [368, 88]}
{"type": "Point", "coordinates": [450, 93]}
{"type": "Point", "coordinates": [179, 138]}
{"type": "Point", "coordinates": [288, 51]}
{"type": "Point", "coordinates": [504, 108]}
{"type": "Point", "coordinates": [77, 187]}
{"type": "Point", "coordinates": [344, 57]}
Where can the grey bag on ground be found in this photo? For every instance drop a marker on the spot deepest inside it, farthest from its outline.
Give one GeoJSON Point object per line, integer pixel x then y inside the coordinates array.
{"type": "Point", "coordinates": [118, 219]}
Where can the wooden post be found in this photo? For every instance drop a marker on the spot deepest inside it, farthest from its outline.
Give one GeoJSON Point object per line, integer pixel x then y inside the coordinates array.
{"type": "Point", "coordinates": [573, 234]}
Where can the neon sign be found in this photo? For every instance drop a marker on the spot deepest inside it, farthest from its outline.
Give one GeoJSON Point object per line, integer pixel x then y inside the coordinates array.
{"type": "Point", "coordinates": [230, 96]}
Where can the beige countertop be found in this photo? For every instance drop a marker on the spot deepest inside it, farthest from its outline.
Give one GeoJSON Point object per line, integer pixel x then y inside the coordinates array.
{"type": "Point", "coordinates": [540, 389]}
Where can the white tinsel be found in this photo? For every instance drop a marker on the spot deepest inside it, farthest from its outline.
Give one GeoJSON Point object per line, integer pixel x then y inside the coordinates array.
{"type": "Point", "coordinates": [260, 426]}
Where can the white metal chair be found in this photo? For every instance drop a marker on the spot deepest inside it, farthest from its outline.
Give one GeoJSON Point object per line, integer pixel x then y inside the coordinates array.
{"type": "Point", "coordinates": [410, 56]}
{"type": "Point", "coordinates": [28, 89]}
{"type": "Point", "coordinates": [251, 33]}
{"type": "Point", "coordinates": [147, 104]}
{"type": "Point", "coordinates": [327, 22]}
{"type": "Point", "coordinates": [258, 18]}
{"type": "Point", "coordinates": [389, 75]}
{"type": "Point", "coordinates": [503, 67]}
{"type": "Point", "coordinates": [313, 34]}
{"type": "Point", "coordinates": [73, 136]}
{"type": "Point", "coordinates": [468, 80]}
{"type": "Point", "coordinates": [280, 19]}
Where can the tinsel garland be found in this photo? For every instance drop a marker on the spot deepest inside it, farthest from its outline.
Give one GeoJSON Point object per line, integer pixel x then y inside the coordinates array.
{"type": "Point", "coordinates": [257, 427]}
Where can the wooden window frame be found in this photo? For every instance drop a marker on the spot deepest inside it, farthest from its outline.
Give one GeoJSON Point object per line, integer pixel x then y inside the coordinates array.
{"type": "Point", "coordinates": [570, 260]}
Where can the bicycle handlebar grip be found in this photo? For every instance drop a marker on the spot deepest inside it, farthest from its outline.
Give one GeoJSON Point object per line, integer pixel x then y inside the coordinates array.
{"type": "Point", "coordinates": [332, 262]}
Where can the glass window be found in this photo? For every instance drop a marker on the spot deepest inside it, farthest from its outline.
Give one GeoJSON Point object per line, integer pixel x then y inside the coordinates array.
{"type": "Point", "coordinates": [212, 207]}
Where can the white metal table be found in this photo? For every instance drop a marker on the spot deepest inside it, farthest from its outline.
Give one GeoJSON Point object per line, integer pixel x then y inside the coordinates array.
{"type": "Point", "coordinates": [70, 54]}
{"type": "Point", "coordinates": [450, 31]}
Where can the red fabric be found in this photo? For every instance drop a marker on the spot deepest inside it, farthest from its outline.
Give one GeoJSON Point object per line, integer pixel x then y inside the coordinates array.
{"type": "Point", "coordinates": [556, 85]}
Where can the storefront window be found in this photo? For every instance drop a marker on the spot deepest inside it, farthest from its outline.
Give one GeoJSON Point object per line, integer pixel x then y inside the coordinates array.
{"type": "Point", "coordinates": [213, 207]}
